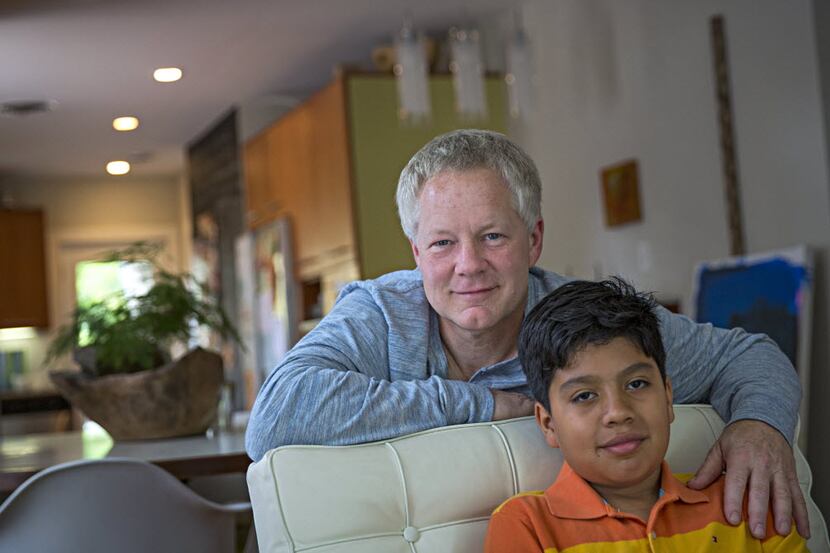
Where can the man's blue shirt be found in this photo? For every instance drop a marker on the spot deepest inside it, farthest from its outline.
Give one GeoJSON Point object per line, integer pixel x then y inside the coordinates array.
{"type": "Point", "coordinates": [375, 368]}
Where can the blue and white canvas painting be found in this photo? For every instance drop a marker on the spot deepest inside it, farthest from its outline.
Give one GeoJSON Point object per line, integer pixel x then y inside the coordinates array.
{"type": "Point", "coordinates": [759, 294]}
{"type": "Point", "coordinates": [766, 293]}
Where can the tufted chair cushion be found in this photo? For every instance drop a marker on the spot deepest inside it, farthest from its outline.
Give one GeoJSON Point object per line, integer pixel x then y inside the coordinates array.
{"type": "Point", "coordinates": [434, 491]}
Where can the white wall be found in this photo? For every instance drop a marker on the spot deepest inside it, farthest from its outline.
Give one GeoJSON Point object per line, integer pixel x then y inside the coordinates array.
{"type": "Point", "coordinates": [617, 80]}
{"type": "Point", "coordinates": [87, 215]}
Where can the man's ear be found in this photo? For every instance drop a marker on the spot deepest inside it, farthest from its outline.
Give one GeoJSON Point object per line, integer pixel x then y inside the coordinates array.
{"type": "Point", "coordinates": [536, 239]}
{"type": "Point", "coordinates": [669, 398]}
{"type": "Point", "coordinates": [545, 422]}
{"type": "Point", "coordinates": [415, 252]}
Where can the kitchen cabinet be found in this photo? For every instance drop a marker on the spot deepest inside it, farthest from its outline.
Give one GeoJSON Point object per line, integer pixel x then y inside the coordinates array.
{"type": "Point", "coordinates": [22, 269]}
{"type": "Point", "coordinates": [332, 165]}
{"type": "Point", "coordinates": [260, 202]}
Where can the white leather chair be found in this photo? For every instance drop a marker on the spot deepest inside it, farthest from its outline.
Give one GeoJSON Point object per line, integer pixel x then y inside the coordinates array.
{"type": "Point", "coordinates": [107, 505]}
{"type": "Point", "coordinates": [434, 491]}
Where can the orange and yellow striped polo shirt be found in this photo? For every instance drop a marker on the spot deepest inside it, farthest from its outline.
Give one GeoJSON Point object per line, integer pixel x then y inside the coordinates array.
{"type": "Point", "coordinates": [570, 516]}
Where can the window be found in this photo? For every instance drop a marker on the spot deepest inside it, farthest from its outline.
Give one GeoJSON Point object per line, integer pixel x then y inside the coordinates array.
{"type": "Point", "coordinates": [113, 281]}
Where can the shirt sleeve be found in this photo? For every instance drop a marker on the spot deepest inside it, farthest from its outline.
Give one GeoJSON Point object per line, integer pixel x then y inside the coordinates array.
{"type": "Point", "coordinates": [743, 375]}
{"type": "Point", "coordinates": [334, 388]}
{"type": "Point", "coordinates": [509, 532]}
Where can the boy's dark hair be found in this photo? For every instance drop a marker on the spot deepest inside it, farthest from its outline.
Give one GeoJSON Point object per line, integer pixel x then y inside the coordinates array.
{"type": "Point", "coordinates": [581, 314]}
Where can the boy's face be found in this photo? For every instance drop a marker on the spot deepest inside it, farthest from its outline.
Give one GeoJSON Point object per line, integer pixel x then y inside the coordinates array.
{"type": "Point", "coordinates": [610, 415]}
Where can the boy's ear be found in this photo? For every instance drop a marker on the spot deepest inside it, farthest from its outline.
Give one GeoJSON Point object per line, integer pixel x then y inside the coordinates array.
{"type": "Point", "coordinates": [669, 399]}
{"type": "Point", "coordinates": [545, 422]}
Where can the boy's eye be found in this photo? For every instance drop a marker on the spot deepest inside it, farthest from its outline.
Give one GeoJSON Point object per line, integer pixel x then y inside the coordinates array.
{"type": "Point", "coordinates": [583, 396]}
{"type": "Point", "coordinates": [638, 384]}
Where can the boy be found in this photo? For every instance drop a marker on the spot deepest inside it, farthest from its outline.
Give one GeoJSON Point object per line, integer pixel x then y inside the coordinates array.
{"type": "Point", "coordinates": [595, 364]}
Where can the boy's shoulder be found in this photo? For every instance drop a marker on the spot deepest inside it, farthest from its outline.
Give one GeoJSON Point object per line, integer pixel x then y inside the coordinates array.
{"type": "Point", "coordinates": [570, 496]}
{"type": "Point", "coordinates": [521, 503]}
{"type": "Point", "coordinates": [521, 523]}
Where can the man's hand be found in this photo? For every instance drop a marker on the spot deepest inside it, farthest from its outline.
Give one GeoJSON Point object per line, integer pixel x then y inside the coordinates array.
{"type": "Point", "coordinates": [510, 405]}
{"type": "Point", "coordinates": [755, 453]}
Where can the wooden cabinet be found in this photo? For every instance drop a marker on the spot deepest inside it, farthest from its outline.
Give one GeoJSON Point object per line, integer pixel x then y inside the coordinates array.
{"type": "Point", "coordinates": [333, 231]}
{"type": "Point", "coordinates": [332, 165]}
{"type": "Point", "coordinates": [260, 203]}
{"type": "Point", "coordinates": [22, 269]}
{"type": "Point", "coordinates": [299, 167]}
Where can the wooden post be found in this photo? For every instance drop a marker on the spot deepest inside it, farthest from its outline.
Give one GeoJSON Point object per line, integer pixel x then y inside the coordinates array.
{"type": "Point", "coordinates": [727, 137]}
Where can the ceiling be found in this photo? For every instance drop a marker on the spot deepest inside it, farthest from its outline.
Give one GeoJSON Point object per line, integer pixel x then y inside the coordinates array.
{"type": "Point", "coordinates": [93, 60]}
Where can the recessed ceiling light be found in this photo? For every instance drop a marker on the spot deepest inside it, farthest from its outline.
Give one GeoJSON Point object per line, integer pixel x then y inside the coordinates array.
{"type": "Point", "coordinates": [167, 74]}
{"type": "Point", "coordinates": [126, 123]}
{"type": "Point", "coordinates": [118, 167]}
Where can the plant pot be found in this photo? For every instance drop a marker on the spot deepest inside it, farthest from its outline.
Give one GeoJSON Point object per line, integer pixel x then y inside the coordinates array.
{"type": "Point", "coordinates": [177, 399]}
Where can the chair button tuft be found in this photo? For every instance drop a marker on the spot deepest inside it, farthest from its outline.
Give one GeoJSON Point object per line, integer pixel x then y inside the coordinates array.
{"type": "Point", "coordinates": [411, 534]}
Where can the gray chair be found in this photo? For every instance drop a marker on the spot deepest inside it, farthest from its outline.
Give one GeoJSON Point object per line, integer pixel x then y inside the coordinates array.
{"type": "Point", "coordinates": [115, 504]}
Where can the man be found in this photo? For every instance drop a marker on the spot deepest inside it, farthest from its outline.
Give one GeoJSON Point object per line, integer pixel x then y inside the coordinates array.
{"type": "Point", "coordinates": [413, 350]}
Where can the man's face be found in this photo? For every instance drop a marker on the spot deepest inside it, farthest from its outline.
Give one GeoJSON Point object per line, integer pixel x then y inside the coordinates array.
{"type": "Point", "coordinates": [474, 250]}
{"type": "Point", "coordinates": [610, 415]}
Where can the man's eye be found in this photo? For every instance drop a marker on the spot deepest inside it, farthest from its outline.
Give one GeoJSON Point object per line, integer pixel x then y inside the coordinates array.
{"type": "Point", "coordinates": [493, 236]}
{"type": "Point", "coordinates": [441, 243]}
{"type": "Point", "coordinates": [638, 384]}
{"type": "Point", "coordinates": [582, 397]}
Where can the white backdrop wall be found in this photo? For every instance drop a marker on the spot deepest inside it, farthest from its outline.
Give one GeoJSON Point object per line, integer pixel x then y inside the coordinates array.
{"type": "Point", "coordinates": [619, 80]}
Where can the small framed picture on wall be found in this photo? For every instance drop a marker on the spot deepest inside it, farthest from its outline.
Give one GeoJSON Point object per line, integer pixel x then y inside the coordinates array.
{"type": "Point", "coordinates": [620, 193]}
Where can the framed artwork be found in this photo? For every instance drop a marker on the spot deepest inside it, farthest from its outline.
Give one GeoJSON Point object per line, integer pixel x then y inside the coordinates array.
{"type": "Point", "coordinates": [620, 193]}
{"type": "Point", "coordinates": [769, 293]}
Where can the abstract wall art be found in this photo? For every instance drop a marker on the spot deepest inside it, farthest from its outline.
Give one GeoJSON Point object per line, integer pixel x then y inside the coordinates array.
{"type": "Point", "coordinates": [769, 293]}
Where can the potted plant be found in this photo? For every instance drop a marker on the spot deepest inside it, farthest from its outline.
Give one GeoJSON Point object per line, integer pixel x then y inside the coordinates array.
{"type": "Point", "coordinates": [128, 382]}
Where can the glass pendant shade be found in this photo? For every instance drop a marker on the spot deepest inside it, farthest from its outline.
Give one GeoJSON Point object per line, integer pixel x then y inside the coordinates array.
{"type": "Point", "coordinates": [411, 74]}
{"type": "Point", "coordinates": [518, 78]}
{"type": "Point", "coordinates": [468, 74]}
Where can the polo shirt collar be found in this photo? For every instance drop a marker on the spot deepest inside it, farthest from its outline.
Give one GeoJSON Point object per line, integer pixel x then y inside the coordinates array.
{"type": "Point", "coordinates": [572, 497]}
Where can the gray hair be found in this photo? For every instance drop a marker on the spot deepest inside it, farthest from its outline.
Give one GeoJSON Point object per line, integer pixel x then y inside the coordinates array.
{"type": "Point", "coordinates": [470, 149]}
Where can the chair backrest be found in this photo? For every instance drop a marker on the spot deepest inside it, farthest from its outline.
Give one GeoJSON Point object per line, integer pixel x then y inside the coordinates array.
{"type": "Point", "coordinates": [123, 505]}
{"type": "Point", "coordinates": [434, 491]}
